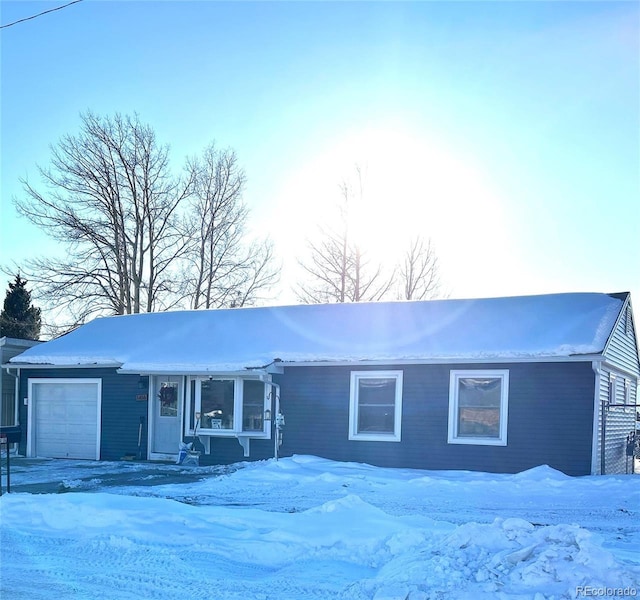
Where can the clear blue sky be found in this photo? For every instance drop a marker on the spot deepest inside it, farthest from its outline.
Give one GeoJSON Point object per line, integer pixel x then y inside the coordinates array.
{"type": "Point", "coordinates": [508, 131]}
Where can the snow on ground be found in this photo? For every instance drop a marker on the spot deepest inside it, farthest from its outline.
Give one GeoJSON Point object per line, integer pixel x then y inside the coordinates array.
{"type": "Point", "coordinates": [308, 528]}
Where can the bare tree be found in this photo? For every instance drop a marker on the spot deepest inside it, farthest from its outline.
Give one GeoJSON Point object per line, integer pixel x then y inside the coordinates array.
{"type": "Point", "coordinates": [113, 204]}
{"type": "Point", "coordinates": [338, 265]}
{"type": "Point", "coordinates": [327, 266]}
{"type": "Point", "coordinates": [222, 269]}
{"type": "Point", "coordinates": [419, 272]}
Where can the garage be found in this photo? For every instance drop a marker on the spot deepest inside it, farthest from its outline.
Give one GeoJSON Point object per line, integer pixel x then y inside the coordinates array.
{"type": "Point", "coordinates": [64, 418]}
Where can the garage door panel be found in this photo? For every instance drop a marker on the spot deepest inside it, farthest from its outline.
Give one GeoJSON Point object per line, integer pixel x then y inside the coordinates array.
{"type": "Point", "coordinates": [80, 413]}
{"type": "Point", "coordinates": [65, 418]}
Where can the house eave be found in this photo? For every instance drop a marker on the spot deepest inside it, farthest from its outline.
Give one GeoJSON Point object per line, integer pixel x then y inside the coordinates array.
{"type": "Point", "coordinates": [446, 361]}
{"type": "Point", "coordinates": [18, 342]}
{"type": "Point", "coordinates": [198, 372]}
{"type": "Point", "coordinates": [25, 365]}
{"type": "Point", "coordinates": [277, 366]}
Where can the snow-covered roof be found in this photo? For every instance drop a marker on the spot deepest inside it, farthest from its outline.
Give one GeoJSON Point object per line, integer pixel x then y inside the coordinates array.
{"type": "Point", "coordinates": [526, 327]}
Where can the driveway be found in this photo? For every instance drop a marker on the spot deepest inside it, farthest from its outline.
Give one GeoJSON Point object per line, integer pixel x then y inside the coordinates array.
{"type": "Point", "coordinates": [51, 475]}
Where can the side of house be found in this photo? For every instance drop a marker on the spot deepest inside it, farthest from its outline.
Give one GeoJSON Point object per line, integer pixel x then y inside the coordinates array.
{"type": "Point", "coordinates": [615, 403]}
{"type": "Point", "coordinates": [501, 417]}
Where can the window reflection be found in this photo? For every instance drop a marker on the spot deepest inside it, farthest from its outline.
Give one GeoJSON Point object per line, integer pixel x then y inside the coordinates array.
{"type": "Point", "coordinates": [479, 407]}
{"type": "Point", "coordinates": [217, 404]}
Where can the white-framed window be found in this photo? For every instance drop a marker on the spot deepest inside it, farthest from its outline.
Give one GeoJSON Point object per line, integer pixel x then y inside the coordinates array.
{"type": "Point", "coordinates": [613, 388]}
{"type": "Point", "coordinates": [375, 408]}
{"type": "Point", "coordinates": [228, 406]}
{"type": "Point", "coordinates": [478, 407]}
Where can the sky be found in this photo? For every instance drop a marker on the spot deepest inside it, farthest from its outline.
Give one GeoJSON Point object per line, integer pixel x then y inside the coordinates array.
{"type": "Point", "coordinates": [307, 528]}
{"type": "Point", "coordinates": [506, 132]}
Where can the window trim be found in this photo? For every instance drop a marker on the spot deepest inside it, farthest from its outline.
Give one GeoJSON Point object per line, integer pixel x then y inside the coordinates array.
{"type": "Point", "coordinates": [396, 436]}
{"type": "Point", "coordinates": [455, 376]}
{"type": "Point", "coordinates": [238, 408]}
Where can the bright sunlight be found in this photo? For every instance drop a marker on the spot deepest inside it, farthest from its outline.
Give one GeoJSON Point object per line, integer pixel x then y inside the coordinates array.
{"type": "Point", "coordinates": [402, 185]}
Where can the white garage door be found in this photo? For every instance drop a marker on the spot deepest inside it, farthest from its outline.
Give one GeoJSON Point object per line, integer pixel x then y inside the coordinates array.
{"type": "Point", "coordinates": [64, 417]}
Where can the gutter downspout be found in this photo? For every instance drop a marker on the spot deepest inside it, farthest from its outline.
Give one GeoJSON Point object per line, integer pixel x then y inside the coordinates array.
{"type": "Point", "coordinates": [279, 421]}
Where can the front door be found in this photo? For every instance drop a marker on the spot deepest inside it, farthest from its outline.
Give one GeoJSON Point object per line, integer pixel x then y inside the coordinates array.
{"type": "Point", "coordinates": [167, 414]}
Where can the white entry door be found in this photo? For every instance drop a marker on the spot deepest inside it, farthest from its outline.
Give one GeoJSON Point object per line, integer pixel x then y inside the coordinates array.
{"type": "Point", "coordinates": [167, 414]}
{"type": "Point", "coordinates": [64, 418]}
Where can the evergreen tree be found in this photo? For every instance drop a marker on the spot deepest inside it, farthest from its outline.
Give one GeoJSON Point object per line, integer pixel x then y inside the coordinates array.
{"type": "Point", "coordinates": [19, 318]}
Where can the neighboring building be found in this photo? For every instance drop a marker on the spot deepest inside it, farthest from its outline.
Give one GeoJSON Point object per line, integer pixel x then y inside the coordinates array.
{"type": "Point", "coordinates": [497, 384]}
{"type": "Point", "coordinates": [10, 347]}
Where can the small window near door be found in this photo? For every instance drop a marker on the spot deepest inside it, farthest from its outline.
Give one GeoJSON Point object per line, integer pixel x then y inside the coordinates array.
{"type": "Point", "coordinates": [376, 406]}
{"type": "Point", "coordinates": [168, 396]}
{"type": "Point", "coordinates": [478, 407]}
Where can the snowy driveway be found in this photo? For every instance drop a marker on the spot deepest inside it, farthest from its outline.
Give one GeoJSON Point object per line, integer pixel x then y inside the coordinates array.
{"type": "Point", "coordinates": [309, 528]}
{"type": "Point", "coordinates": [42, 475]}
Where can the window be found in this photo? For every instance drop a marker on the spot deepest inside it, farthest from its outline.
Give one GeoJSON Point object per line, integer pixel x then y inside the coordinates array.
{"type": "Point", "coordinates": [227, 406]}
{"type": "Point", "coordinates": [253, 405]}
{"type": "Point", "coordinates": [168, 397]}
{"type": "Point", "coordinates": [612, 389]}
{"type": "Point", "coordinates": [375, 411]}
{"type": "Point", "coordinates": [217, 400]}
{"type": "Point", "coordinates": [478, 407]}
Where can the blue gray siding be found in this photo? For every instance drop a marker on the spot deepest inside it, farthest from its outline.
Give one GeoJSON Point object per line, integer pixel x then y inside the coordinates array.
{"type": "Point", "coordinates": [550, 419]}
{"type": "Point", "coordinates": [225, 451]}
{"type": "Point", "coordinates": [121, 412]}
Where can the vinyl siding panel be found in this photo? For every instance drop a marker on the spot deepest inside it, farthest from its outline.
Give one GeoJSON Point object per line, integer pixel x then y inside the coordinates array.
{"type": "Point", "coordinates": [225, 451]}
{"type": "Point", "coordinates": [121, 412]}
{"type": "Point", "coordinates": [622, 347]}
{"type": "Point", "coordinates": [550, 419]}
{"type": "Point", "coordinates": [620, 421]}
{"type": "Point", "coordinates": [621, 362]}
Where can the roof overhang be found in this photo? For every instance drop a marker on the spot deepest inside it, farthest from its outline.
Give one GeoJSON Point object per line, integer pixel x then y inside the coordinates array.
{"type": "Point", "coordinates": [18, 342]}
{"type": "Point", "coordinates": [24, 365]}
{"type": "Point", "coordinates": [256, 373]}
{"type": "Point", "coordinates": [277, 366]}
{"type": "Point", "coordinates": [446, 361]}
